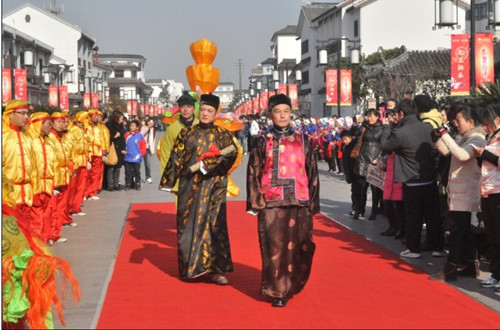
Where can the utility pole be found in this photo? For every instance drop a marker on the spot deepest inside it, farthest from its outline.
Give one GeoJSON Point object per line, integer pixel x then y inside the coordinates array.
{"type": "Point", "coordinates": [240, 67]}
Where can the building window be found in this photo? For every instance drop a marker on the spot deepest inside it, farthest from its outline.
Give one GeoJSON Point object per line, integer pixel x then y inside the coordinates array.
{"type": "Point", "coordinates": [356, 28]}
{"type": "Point", "coordinates": [134, 73]}
{"type": "Point", "coordinates": [79, 62]}
{"type": "Point", "coordinates": [305, 46]}
{"type": "Point", "coordinates": [305, 77]}
{"type": "Point", "coordinates": [119, 73]}
{"type": "Point", "coordinates": [88, 65]}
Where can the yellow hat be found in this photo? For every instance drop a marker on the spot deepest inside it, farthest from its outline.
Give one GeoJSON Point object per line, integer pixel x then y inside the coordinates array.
{"type": "Point", "coordinates": [58, 115]}
{"type": "Point", "coordinates": [36, 120]}
{"type": "Point", "coordinates": [95, 112]}
{"type": "Point", "coordinates": [81, 116]}
{"type": "Point", "coordinates": [11, 107]}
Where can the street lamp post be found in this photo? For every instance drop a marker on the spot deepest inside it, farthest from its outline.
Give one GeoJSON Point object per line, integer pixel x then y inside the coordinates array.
{"type": "Point", "coordinates": [323, 60]}
{"type": "Point", "coordinates": [298, 79]}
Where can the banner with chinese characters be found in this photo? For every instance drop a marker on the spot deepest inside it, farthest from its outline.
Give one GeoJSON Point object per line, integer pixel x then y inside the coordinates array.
{"type": "Point", "coordinates": [53, 96]}
{"type": "Point", "coordinates": [86, 100]}
{"type": "Point", "coordinates": [460, 65]}
{"type": "Point", "coordinates": [346, 87]}
{"type": "Point", "coordinates": [129, 107]}
{"type": "Point", "coordinates": [146, 109]}
{"type": "Point", "coordinates": [63, 97]}
{"type": "Point", "coordinates": [331, 87]}
{"type": "Point", "coordinates": [294, 95]}
{"type": "Point", "coordinates": [134, 108]}
{"type": "Point", "coordinates": [272, 93]}
{"type": "Point", "coordinates": [485, 71]}
{"type": "Point", "coordinates": [21, 84]}
{"type": "Point", "coordinates": [264, 100]}
{"type": "Point", "coordinates": [142, 108]}
{"type": "Point", "coordinates": [94, 100]}
{"type": "Point", "coordinates": [282, 89]}
{"type": "Point", "coordinates": [256, 108]}
{"type": "Point", "coordinates": [6, 86]}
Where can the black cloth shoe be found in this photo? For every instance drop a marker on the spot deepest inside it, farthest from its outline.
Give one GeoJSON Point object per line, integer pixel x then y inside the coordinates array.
{"type": "Point", "coordinates": [127, 187]}
{"type": "Point", "coordinates": [391, 231]}
{"type": "Point", "coordinates": [399, 235]}
{"type": "Point", "coordinates": [279, 302]}
{"type": "Point", "coordinates": [373, 215]}
{"type": "Point", "coordinates": [118, 188]}
{"type": "Point", "coordinates": [110, 189]}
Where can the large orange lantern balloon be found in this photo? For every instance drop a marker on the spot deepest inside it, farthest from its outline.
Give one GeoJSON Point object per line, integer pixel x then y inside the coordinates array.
{"type": "Point", "coordinates": [203, 51]}
{"type": "Point", "coordinates": [203, 75]}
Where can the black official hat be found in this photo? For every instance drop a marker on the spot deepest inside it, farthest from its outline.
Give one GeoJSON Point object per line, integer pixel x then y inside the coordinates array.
{"type": "Point", "coordinates": [210, 99]}
{"type": "Point", "coordinates": [186, 99]}
{"type": "Point", "coordinates": [424, 103]}
{"type": "Point", "coordinates": [279, 99]}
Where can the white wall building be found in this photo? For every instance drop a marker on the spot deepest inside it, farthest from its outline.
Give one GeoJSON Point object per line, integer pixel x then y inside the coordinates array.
{"type": "Point", "coordinates": [225, 91]}
{"type": "Point", "coordinates": [286, 51]}
{"type": "Point", "coordinates": [71, 46]}
{"type": "Point", "coordinates": [368, 25]}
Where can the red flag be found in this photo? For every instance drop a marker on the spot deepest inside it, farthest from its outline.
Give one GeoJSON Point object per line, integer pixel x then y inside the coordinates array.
{"type": "Point", "coordinates": [21, 84]}
{"type": "Point", "coordinates": [282, 89]}
{"type": "Point", "coordinates": [484, 59]}
{"type": "Point", "coordinates": [6, 86]}
{"type": "Point", "coordinates": [294, 96]}
{"type": "Point", "coordinates": [129, 107]}
{"type": "Point", "coordinates": [460, 65]}
{"type": "Point", "coordinates": [53, 96]}
{"type": "Point", "coordinates": [331, 87]}
{"type": "Point", "coordinates": [134, 108]}
{"type": "Point", "coordinates": [94, 100]}
{"type": "Point", "coordinates": [264, 99]}
{"type": "Point", "coordinates": [345, 87]}
{"type": "Point", "coordinates": [63, 97]}
{"type": "Point", "coordinates": [86, 100]}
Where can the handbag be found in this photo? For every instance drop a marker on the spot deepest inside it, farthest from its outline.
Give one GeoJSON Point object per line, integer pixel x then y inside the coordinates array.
{"type": "Point", "coordinates": [357, 147]}
{"type": "Point", "coordinates": [112, 157]}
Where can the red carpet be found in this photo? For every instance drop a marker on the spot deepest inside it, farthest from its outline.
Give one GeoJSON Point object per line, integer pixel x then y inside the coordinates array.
{"type": "Point", "coordinates": [354, 284]}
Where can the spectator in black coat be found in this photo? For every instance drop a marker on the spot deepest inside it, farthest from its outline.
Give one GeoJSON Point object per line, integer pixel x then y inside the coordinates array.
{"type": "Point", "coordinates": [116, 135]}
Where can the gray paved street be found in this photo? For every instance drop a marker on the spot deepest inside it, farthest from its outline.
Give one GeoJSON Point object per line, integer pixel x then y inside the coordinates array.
{"type": "Point", "coordinates": [93, 245]}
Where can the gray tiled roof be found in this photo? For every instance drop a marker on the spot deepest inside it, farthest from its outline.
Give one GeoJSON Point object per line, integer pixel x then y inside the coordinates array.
{"type": "Point", "coordinates": [314, 10]}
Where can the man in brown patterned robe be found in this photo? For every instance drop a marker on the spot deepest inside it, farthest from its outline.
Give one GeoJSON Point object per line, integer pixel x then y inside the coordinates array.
{"type": "Point", "coordinates": [283, 189]}
{"type": "Point", "coordinates": [202, 236]}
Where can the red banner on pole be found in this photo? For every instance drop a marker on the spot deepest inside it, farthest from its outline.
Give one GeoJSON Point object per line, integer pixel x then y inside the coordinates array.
{"type": "Point", "coordinates": [53, 96]}
{"type": "Point", "coordinates": [331, 87]}
{"type": "Point", "coordinates": [272, 93]}
{"type": "Point", "coordinates": [6, 86]}
{"type": "Point", "coordinates": [86, 100]}
{"type": "Point", "coordinates": [346, 87]}
{"type": "Point", "coordinates": [94, 100]}
{"type": "Point", "coordinates": [460, 65]}
{"type": "Point", "coordinates": [293, 92]}
{"type": "Point", "coordinates": [143, 109]}
{"type": "Point", "coordinates": [63, 97]}
{"type": "Point", "coordinates": [134, 108]}
{"type": "Point", "coordinates": [264, 99]}
{"type": "Point", "coordinates": [256, 108]}
{"type": "Point", "coordinates": [282, 90]}
{"type": "Point", "coordinates": [129, 107]}
{"type": "Point", "coordinates": [147, 109]}
{"type": "Point", "coordinates": [485, 71]}
{"type": "Point", "coordinates": [21, 84]}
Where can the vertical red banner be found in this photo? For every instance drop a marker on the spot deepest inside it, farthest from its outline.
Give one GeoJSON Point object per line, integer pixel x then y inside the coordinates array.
{"type": "Point", "coordinates": [94, 100]}
{"type": "Point", "coordinates": [129, 107]}
{"type": "Point", "coordinates": [282, 90]}
{"type": "Point", "coordinates": [6, 86]}
{"type": "Point", "coordinates": [86, 100]}
{"type": "Point", "coordinates": [63, 97]}
{"type": "Point", "coordinates": [21, 84]}
{"type": "Point", "coordinates": [53, 96]}
{"type": "Point", "coordinates": [134, 108]}
{"type": "Point", "coordinates": [293, 92]}
{"type": "Point", "coordinates": [460, 65]}
{"type": "Point", "coordinates": [264, 99]}
{"type": "Point", "coordinates": [143, 109]}
{"type": "Point", "coordinates": [485, 71]}
{"type": "Point", "coordinates": [331, 87]}
{"type": "Point", "coordinates": [256, 108]}
{"type": "Point", "coordinates": [346, 87]}
{"type": "Point", "coordinates": [272, 93]}
{"type": "Point", "coordinates": [147, 109]}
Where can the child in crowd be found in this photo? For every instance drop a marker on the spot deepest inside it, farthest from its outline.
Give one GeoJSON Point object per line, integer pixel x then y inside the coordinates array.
{"type": "Point", "coordinates": [348, 143]}
{"type": "Point", "coordinates": [136, 149]}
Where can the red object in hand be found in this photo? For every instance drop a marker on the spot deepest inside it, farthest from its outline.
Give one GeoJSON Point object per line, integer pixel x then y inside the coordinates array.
{"type": "Point", "coordinates": [212, 152]}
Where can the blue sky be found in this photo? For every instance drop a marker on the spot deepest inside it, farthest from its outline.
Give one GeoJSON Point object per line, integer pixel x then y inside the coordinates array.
{"type": "Point", "coordinates": [162, 30]}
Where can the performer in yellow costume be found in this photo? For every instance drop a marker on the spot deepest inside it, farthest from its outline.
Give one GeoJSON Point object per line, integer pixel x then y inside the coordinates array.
{"type": "Point", "coordinates": [96, 148]}
{"type": "Point", "coordinates": [43, 174]}
{"type": "Point", "coordinates": [17, 154]}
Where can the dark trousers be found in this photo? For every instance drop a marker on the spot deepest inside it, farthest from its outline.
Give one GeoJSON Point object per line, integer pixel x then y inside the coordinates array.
{"type": "Point", "coordinates": [132, 173]}
{"type": "Point", "coordinates": [395, 213]}
{"type": "Point", "coordinates": [339, 163]}
{"type": "Point", "coordinates": [490, 208]}
{"type": "Point", "coordinates": [147, 163]}
{"type": "Point", "coordinates": [359, 189]}
{"type": "Point", "coordinates": [422, 202]}
{"type": "Point", "coordinates": [461, 242]}
{"type": "Point", "coordinates": [113, 176]}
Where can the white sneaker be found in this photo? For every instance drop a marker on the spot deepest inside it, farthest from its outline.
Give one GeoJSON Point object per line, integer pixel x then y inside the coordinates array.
{"type": "Point", "coordinates": [61, 240]}
{"type": "Point", "coordinates": [149, 180]}
{"type": "Point", "coordinates": [94, 198]}
{"type": "Point", "coordinates": [51, 242]}
{"type": "Point", "coordinates": [409, 254]}
{"type": "Point", "coordinates": [73, 224]}
{"type": "Point", "coordinates": [497, 287]}
{"type": "Point", "coordinates": [81, 214]}
{"type": "Point", "coordinates": [439, 253]}
{"type": "Point", "coordinates": [490, 282]}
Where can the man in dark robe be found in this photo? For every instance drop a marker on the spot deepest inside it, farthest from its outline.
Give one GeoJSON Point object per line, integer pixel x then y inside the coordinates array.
{"type": "Point", "coordinates": [202, 236]}
{"type": "Point", "coordinates": [283, 189]}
